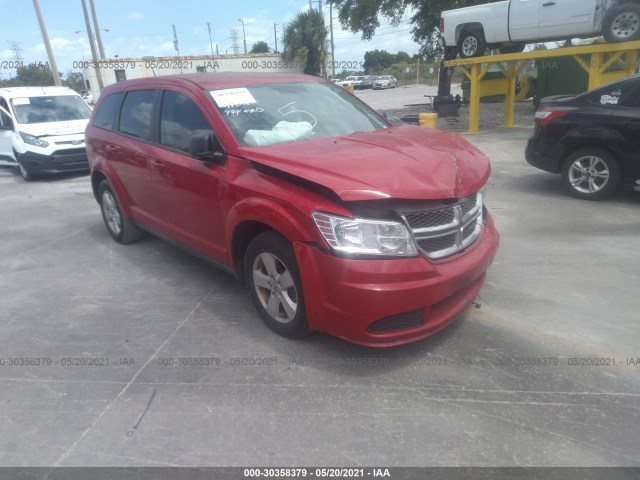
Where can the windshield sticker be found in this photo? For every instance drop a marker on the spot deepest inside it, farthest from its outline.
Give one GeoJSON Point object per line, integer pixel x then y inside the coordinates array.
{"type": "Point", "coordinates": [234, 112]}
{"type": "Point", "coordinates": [21, 101]}
{"type": "Point", "coordinates": [232, 96]}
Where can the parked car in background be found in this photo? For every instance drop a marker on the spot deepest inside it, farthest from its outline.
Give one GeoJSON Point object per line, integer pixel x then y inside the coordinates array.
{"type": "Point", "coordinates": [367, 82]}
{"type": "Point", "coordinates": [87, 96]}
{"type": "Point", "coordinates": [42, 130]}
{"type": "Point", "coordinates": [592, 139]}
{"type": "Point", "coordinates": [385, 81]}
{"type": "Point", "coordinates": [510, 25]}
{"type": "Point", "coordinates": [352, 80]}
{"type": "Point", "coordinates": [301, 191]}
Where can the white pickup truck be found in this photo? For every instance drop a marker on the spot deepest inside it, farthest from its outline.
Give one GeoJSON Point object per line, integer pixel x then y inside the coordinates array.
{"type": "Point", "coordinates": [510, 25]}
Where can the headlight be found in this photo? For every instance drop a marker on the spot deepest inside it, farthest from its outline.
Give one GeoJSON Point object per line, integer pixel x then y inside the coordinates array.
{"type": "Point", "coordinates": [365, 237]}
{"type": "Point", "coordinates": [35, 141]}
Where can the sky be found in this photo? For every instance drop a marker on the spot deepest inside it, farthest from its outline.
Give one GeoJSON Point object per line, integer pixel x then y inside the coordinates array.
{"type": "Point", "coordinates": [139, 28]}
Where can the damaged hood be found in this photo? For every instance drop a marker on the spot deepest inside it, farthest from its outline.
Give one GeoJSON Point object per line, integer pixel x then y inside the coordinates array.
{"type": "Point", "coordinates": [405, 162]}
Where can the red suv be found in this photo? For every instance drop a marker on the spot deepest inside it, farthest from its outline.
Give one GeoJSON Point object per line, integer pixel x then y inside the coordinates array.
{"type": "Point", "coordinates": [336, 220]}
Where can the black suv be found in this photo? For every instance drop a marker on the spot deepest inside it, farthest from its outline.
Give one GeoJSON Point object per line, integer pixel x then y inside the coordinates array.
{"type": "Point", "coordinates": [592, 139]}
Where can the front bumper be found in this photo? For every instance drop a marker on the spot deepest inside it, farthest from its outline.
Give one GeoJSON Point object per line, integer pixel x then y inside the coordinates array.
{"type": "Point", "coordinates": [61, 161]}
{"type": "Point", "coordinates": [363, 300]}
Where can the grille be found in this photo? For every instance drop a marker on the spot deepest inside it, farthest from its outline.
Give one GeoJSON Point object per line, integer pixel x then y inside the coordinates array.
{"type": "Point", "coordinates": [443, 231]}
{"type": "Point", "coordinates": [403, 321]}
{"type": "Point", "coordinates": [432, 218]}
{"type": "Point", "coordinates": [432, 245]}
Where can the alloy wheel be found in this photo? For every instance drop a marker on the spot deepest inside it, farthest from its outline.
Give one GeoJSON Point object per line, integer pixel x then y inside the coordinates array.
{"type": "Point", "coordinates": [111, 212]}
{"type": "Point", "coordinates": [589, 174]}
{"type": "Point", "coordinates": [275, 287]}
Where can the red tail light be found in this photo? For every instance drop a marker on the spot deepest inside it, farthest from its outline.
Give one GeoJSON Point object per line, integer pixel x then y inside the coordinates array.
{"type": "Point", "coordinates": [543, 117]}
{"type": "Point", "coordinates": [441, 25]}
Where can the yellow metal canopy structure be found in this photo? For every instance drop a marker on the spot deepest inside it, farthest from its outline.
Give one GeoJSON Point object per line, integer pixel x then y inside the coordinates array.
{"type": "Point", "coordinates": [597, 59]}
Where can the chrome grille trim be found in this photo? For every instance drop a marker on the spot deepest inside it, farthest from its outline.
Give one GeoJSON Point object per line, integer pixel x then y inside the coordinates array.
{"type": "Point", "coordinates": [461, 232]}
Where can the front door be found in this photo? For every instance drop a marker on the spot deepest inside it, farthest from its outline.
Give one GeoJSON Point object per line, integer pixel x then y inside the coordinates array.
{"type": "Point", "coordinates": [187, 190]}
{"type": "Point", "coordinates": [6, 135]}
{"type": "Point", "coordinates": [523, 19]}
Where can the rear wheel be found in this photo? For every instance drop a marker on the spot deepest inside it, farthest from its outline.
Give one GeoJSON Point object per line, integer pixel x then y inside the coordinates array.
{"type": "Point", "coordinates": [591, 174]}
{"type": "Point", "coordinates": [623, 24]}
{"type": "Point", "coordinates": [472, 44]}
{"type": "Point", "coordinates": [273, 281]}
{"type": "Point", "coordinates": [119, 227]}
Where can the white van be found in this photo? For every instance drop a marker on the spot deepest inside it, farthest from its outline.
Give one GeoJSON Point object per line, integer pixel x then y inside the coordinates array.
{"type": "Point", "coordinates": [42, 130]}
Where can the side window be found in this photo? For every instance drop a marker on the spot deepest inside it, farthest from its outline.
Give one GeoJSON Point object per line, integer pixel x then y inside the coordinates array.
{"type": "Point", "coordinates": [180, 119]}
{"type": "Point", "coordinates": [5, 119]}
{"type": "Point", "coordinates": [136, 114]}
{"type": "Point", "coordinates": [106, 113]}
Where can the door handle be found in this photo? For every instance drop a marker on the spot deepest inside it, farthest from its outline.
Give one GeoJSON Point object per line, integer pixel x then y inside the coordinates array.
{"type": "Point", "coordinates": [112, 148]}
{"type": "Point", "coordinates": [549, 4]}
{"type": "Point", "coordinates": [157, 163]}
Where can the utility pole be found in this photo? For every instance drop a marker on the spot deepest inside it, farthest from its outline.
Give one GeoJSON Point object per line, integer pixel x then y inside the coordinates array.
{"type": "Point", "coordinates": [320, 6]}
{"type": "Point", "coordinates": [95, 24]}
{"type": "Point", "coordinates": [175, 45]}
{"type": "Point", "coordinates": [47, 44]}
{"type": "Point", "coordinates": [333, 60]}
{"type": "Point", "coordinates": [244, 36]}
{"type": "Point", "coordinates": [210, 42]}
{"type": "Point", "coordinates": [94, 55]}
{"type": "Point", "coordinates": [275, 37]}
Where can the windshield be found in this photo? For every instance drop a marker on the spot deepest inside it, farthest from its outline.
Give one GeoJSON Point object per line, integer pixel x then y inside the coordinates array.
{"type": "Point", "coordinates": [50, 109]}
{"type": "Point", "coordinates": [262, 115]}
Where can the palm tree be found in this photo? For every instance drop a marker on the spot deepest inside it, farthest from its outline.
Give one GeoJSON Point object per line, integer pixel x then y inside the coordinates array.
{"type": "Point", "coordinates": [305, 38]}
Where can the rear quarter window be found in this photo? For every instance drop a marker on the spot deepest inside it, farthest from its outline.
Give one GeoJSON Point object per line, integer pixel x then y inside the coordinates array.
{"type": "Point", "coordinates": [107, 112]}
{"type": "Point", "coordinates": [136, 114]}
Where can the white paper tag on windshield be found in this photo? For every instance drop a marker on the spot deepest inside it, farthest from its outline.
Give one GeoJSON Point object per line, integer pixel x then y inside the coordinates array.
{"type": "Point", "coordinates": [21, 101]}
{"type": "Point", "coordinates": [232, 96]}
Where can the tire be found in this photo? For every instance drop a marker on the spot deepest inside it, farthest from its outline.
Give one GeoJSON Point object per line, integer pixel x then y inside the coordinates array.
{"type": "Point", "coordinates": [273, 282]}
{"type": "Point", "coordinates": [515, 48]}
{"type": "Point", "coordinates": [121, 229]}
{"type": "Point", "coordinates": [623, 24]}
{"type": "Point", "coordinates": [26, 174]}
{"type": "Point", "coordinates": [472, 44]}
{"type": "Point", "coordinates": [591, 174]}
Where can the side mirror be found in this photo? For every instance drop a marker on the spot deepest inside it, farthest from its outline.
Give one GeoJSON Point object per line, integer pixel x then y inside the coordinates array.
{"type": "Point", "coordinates": [207, 148]}
{"type": "Point", "coordinates": [382, 113]}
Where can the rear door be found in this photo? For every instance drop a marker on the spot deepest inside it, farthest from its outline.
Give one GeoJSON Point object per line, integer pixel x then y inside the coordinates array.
{"type": "Point", "coordinates": [129, 154]}
{"type": "Point", "coordinates": [559, 19]}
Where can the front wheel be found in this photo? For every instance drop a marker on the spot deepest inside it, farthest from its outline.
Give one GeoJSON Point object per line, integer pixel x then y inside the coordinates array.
{"type": "Point", "coordinates": [591, 174]}
{"type": "Point", "coordinates": [24, 172]}
{"type": "Point", "coordinates": [273, 281]}
{"type": "Point", "coordinates": [623, 24]}
{"type": "Point", "coordinates": [472, 44]}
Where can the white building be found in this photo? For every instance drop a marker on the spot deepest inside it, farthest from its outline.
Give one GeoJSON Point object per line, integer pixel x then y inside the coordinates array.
{"type": "Point", "coordinates": [114, 70]}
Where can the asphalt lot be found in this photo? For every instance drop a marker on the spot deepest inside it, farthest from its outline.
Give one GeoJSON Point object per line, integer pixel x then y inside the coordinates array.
{"type": "Point", "coordinates": [562, 291]}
